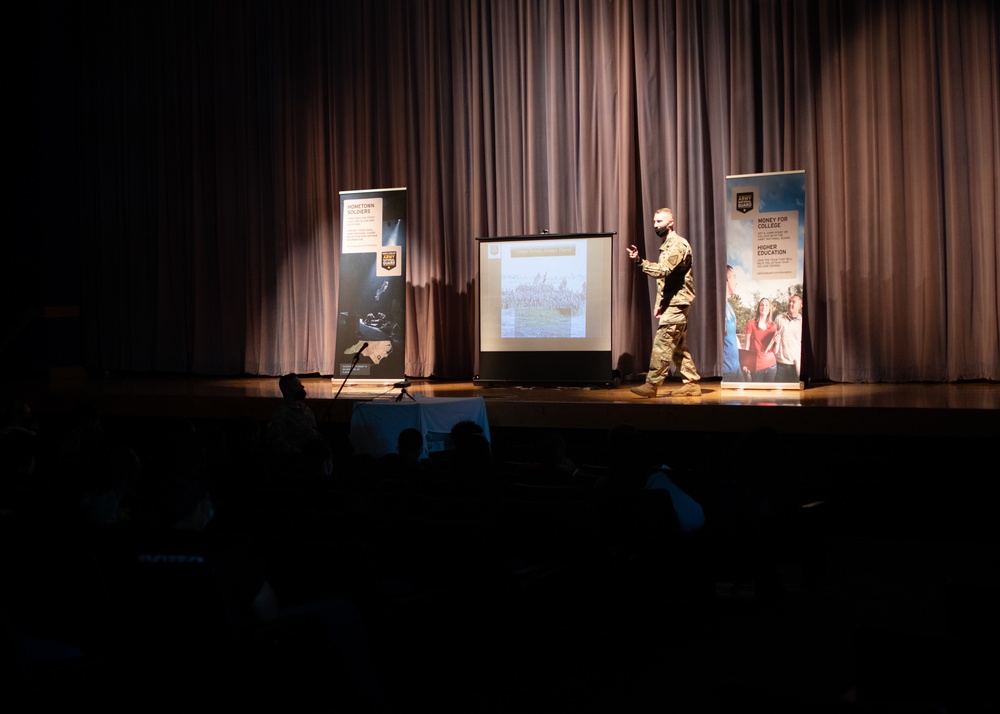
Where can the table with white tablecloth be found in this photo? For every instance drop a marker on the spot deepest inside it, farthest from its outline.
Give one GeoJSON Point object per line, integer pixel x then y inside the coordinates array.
{"type": "Point", "coordinates": [375, 425]}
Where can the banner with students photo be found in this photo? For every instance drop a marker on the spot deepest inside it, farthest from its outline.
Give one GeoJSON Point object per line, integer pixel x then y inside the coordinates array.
{"type": "Point", "coordinates": [371, 305]}
{"type": "Point", "coordinates": [765, 246]}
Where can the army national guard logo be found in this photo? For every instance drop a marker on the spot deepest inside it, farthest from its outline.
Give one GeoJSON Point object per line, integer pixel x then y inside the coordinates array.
{"type": "Point", "coordinates": [389, 259]}
{"type": "Point", "coordinates": [744, 201]}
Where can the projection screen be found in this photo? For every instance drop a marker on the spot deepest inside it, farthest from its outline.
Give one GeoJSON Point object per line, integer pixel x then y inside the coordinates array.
{"type": "Point", "coordinates": [545, 309]}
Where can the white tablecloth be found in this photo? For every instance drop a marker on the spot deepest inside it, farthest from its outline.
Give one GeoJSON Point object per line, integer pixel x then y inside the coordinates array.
{"type": "Point", "coordinates": [375, 425]}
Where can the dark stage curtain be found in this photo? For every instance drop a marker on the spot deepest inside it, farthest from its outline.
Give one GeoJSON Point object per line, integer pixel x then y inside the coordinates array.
{"type": "Point", "coordinates": [213, 138]}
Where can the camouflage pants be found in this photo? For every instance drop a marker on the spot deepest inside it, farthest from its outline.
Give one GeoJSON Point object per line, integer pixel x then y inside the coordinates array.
{"type": "Point", "coordinates": [670, 346]}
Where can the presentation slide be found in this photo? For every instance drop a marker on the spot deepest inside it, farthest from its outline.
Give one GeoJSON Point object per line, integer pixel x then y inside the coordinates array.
{"type": "Point", "coordinates": [545, 293]}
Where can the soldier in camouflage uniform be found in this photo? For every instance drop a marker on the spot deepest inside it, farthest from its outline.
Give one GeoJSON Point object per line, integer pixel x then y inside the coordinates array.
{"type": "Point", "coordinates": [674, 273]}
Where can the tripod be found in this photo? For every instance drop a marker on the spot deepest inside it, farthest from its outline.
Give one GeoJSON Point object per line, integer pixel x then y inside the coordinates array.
{"type": "Point", "coordinates": [401, 386]}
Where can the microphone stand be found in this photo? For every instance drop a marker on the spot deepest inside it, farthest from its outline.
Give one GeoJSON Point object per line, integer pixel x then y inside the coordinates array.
{"type": "Point", "coordinates": [354, 363]}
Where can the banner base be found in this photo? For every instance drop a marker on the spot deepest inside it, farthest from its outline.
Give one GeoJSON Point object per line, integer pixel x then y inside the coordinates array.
{"type": "Point", "coordinates": [797, 386]}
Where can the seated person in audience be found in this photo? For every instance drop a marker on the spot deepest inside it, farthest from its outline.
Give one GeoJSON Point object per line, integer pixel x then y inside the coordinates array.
{"type": "Point", "coordinates": [405, 463]}
{"type": "Point", "coordinates": [635, 468]}
{"type": "Point", "coordinates": [556, 468]}
{"type": "Point", "coordinates": [473, 454]}
{"type": "Point", "coordinates": [111, 486]}
{"type": "Point", "coordinates": [410, 445]}
{"type": "Point", "coordinates": [292, 423]}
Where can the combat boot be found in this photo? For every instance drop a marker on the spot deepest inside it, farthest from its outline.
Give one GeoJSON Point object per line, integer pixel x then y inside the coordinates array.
{"type": "Point", "coordinates": [691, 389]}
{"type": "Point", "coordinates": [645, 390]}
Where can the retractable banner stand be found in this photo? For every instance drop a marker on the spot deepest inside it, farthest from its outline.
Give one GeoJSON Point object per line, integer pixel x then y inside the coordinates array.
{"type": "Point", "coordinates": [765, 245]}
{"type": "Point", "coordinates": [371, 307]}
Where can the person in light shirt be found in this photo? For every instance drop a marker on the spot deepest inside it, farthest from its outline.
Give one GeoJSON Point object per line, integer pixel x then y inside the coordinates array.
{"type": "Point", "coordinates": [789, 341]}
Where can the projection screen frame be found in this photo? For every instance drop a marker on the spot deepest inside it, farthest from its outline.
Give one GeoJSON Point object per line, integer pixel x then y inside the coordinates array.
{"type": "Point", "coordinates": [556, 367]}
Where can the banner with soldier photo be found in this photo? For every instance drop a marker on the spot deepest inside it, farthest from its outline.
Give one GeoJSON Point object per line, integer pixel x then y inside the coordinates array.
{"type": "Point", "coordinates": [371, 306]}
{"type": "Point", "coordinates": [764, 301]}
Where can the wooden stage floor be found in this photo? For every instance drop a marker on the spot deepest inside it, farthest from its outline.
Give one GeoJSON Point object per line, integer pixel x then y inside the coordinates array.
{"type": "Point", "coordinates": [935, 410]}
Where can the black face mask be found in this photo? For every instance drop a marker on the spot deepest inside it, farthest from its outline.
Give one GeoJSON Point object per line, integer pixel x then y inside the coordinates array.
{"type": "Point", "coordinates": [662, 231]}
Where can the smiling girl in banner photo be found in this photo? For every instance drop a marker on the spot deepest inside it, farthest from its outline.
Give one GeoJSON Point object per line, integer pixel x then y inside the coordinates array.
{"type": "Point", "coordinates": [760, 333]}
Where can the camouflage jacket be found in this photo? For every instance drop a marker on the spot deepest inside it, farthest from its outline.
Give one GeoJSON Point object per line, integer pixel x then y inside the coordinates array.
{"type": "Point", "coordinates": [674, 273]}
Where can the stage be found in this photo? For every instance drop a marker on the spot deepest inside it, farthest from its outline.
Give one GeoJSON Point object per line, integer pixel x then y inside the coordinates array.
{"type": "Point", "coordinates": [962, 410]}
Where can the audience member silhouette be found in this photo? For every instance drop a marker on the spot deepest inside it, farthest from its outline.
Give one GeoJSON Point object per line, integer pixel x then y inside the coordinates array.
{"type": "Point", "coordinates": [634, 467]}
{"type": "Point", "coordinates": [110, 495]}
{"type": "Point", "coordinates": [293, 422]}
{"type": "Point", "coordinates": [402, 470]}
